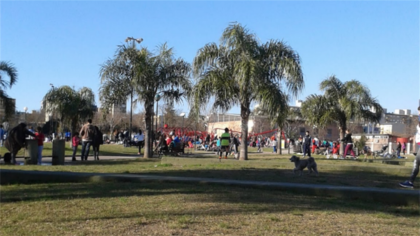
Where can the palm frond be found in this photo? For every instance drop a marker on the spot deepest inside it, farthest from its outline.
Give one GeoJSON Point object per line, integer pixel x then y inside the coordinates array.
{"type": "Point", "coordinates": [11, 72]}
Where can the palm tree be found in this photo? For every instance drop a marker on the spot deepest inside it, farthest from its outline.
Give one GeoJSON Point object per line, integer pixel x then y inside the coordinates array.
{"type": "Point", "coordinates": [120, 73]}
{"type": "Point", "coordinates": [69, 105]}
{"type": "Point", "coordinates": [10, 70]}
{"type": "Point", "coordinates": [152, 75]}
{"type": "Point", "coordinates": [241, 71]}
{"type": "Point", "coordinates": [340, 103]}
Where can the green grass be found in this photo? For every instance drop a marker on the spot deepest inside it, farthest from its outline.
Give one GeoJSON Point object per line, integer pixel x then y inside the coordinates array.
{"type": "Point", "coordinates": [105, 150]}
{"type": "Point", "coordinates": [191, 209]}
{"type": "Point", "coordinates": [258, 167]}
{"type": "Point", "coordinates": [184, 209]}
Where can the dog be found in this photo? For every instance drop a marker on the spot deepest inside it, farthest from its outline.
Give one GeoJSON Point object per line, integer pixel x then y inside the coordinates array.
{"type": "Point", "coordinates": [302, 164]}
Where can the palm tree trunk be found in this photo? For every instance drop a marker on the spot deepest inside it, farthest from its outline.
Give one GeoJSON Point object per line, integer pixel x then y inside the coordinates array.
{"type": "Point", "coordinates": [148, 132]}
{"type": "Point", "coordinates": [243, 153]}
{"type": "Point", "coordinates": [342, 134]}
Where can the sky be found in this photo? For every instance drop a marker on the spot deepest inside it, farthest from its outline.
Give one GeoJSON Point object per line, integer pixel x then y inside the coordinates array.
{"type": "Point", "coordinates": [65, 42]}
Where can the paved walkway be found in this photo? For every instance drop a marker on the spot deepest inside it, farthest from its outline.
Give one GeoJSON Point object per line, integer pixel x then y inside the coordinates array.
{"type": "Point", "coordinates": [390, 196]}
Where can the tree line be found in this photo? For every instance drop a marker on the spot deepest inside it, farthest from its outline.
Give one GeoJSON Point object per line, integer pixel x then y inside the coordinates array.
{"type": "Point", "coordinates": [237, 71]}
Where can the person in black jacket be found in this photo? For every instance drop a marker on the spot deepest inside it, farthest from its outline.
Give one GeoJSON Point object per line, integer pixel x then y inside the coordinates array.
{"type": "Point", "coordinates": [16, 139]}
{"type": "Point", "coordinates": [398, 150]}
{"type": "Point", "coordinates": [306, 145]}
{"type": "Point", "coordinates": [349, 146]}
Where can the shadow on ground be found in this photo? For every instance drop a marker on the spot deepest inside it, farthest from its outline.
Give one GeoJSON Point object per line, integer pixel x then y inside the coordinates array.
{"type": "Point", "coordinates": [261, 200]}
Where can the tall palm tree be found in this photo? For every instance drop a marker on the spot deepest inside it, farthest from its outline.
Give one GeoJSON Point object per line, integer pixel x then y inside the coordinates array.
{"type": "Point", "coordinates": [120, 73]}
{"type": "Point", "coordinates": [340, 103]}
{"type": "Point", "coordinates": [11, 72]}
{"type": "Point", "coordinates": [241, 71]}
{"type": "Point", "coordinates": [153, 74]}
{"type": "Point", "coordinates": [70, 106]}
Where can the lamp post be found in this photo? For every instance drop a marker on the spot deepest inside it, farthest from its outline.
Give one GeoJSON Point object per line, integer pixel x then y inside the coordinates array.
{"type": "Point", "coordinates": [183, 116]}
{"type": "Point", "coordinates": [139, 40]}
{"type": "Point", "coordinates": [157, 98]}
{"type": "Point", "coordinates": [25, 109]}
{"type": "Point", "coordinates": [52, 114]}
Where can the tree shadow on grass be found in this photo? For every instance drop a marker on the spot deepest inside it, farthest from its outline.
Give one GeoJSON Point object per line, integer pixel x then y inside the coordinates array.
{"type": "Point", "coordinates": [117, 161]}
{"type": "Point", "coordinates": [239, 199]}
{"type": "Point", "coordinates": [353, 178]}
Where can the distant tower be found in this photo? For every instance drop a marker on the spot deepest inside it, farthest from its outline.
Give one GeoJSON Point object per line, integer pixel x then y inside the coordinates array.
{"type": "Point", "coordinates": [118, 108]}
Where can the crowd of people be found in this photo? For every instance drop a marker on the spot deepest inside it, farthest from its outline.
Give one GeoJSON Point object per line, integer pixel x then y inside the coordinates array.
{"type": "Point", "coordinates": [227, 143]}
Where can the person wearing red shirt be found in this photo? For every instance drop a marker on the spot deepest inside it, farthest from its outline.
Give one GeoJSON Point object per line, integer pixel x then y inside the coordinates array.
{"type": "Point", "coordinates": [335, 149]}
{"type": "Point", "coordinates": [313, 146]}
{"type": "Point", "coordinates": [39, 136]}
{"type": "Point", "coordinates": [169, 140]}
{"type": "Point", "coordinates": [75, 142]}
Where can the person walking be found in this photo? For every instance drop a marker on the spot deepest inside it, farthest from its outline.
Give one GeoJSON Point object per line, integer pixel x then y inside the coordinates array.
{"type": "Point", "coordinates": [349, 144]}
{"type": "Point", "coordinates": [404, 145]}
{"type": "Point", "coordinates": [410, 183]}
{"type": "Point", "coordinates": [224, 144]}
{"type": "Point", "coordinates": [1, 135]}
{"type": "Point", "coordinates": [88, 133]}
{"type": "Point", "coordinates": [235, 142]}
{"type": "Point", "coordinates": [39, 136]}
{"type": "Point", "coordinates": [398, 150]}
{"type": "Point", "coordinates": [306, 145]}
{"type": "Point", "coordinates": [140, 138]}
{"type": "Point", "coordinates": [274, 144]}
{"type": "Point", "coordinates": [75, 143]}
{"type": "Point", "coordinates": [259, 144]}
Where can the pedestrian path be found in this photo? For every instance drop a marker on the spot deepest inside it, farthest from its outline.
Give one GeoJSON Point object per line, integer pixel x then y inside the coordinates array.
{"type": "Point", "coordinates": [389, 196]}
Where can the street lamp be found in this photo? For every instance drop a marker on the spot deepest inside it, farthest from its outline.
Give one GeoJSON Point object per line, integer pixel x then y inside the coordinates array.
{"type": "Point", "coordinates": [157, 98]}
{"type": "Point", "coordinates": [139, 40]}
{"type": "Point", "coordinates": [183, 116]}
{"type": "Point", "coordinates": [25, 109]}
{"type": "Point", "coordinates": [52, 112]}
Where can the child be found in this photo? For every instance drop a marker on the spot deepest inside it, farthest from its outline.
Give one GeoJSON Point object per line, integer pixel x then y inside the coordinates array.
{"type": "Point", "coordinates": [39, 136]}
{"type": "Point", "coordinates": [75, 142]}
{"type": "Point", "coordinates": [274, 144]}
{"type": "Point", "coordinates": [335, 149]}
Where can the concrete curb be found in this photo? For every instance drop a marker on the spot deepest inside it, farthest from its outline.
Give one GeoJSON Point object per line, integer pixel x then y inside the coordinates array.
{"type": "Point", "coordinates": [389, 196]}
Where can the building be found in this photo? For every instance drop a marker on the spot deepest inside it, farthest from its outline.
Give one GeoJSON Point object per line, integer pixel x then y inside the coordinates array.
{"type": "Point", "coordinates": [2, 111]}
{"type": "Point", "coordinates": [119, 107]}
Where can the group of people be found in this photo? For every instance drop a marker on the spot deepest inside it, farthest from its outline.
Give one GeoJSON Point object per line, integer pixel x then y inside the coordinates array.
{"type": "Point", "coordinates": [16, 140]}
{"type": "Point", "coordinates": [90, 135]}
{"type": "Point", "coordinates": [309, 145]}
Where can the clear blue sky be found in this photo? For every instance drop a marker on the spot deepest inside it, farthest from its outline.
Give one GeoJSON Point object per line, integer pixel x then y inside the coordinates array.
{"type": "Point", "coordinates": [64, 43]}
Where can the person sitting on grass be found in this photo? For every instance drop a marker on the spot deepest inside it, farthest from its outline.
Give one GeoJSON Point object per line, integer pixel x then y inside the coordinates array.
{"type": "Point", "coordinates": [162, 146]}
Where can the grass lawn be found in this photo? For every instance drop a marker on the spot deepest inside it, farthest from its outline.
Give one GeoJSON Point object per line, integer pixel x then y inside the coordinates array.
{"type": "Point", "coordinates": [106, 150]}
{"type": "Point", "coordinates": [192, 209]}
{"type": "Point", "coordinates": [184, 209]}
{"type": "Point", "coordinates": [260, 167]}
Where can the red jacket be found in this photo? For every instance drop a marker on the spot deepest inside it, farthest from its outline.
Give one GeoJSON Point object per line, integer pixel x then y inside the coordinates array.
{"type": "Point", "coordinates": [75, 141]}
{"type": "Point", "coordinates": [40, 138]}
{"type": "Point", "coordinates": [168, 141]}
